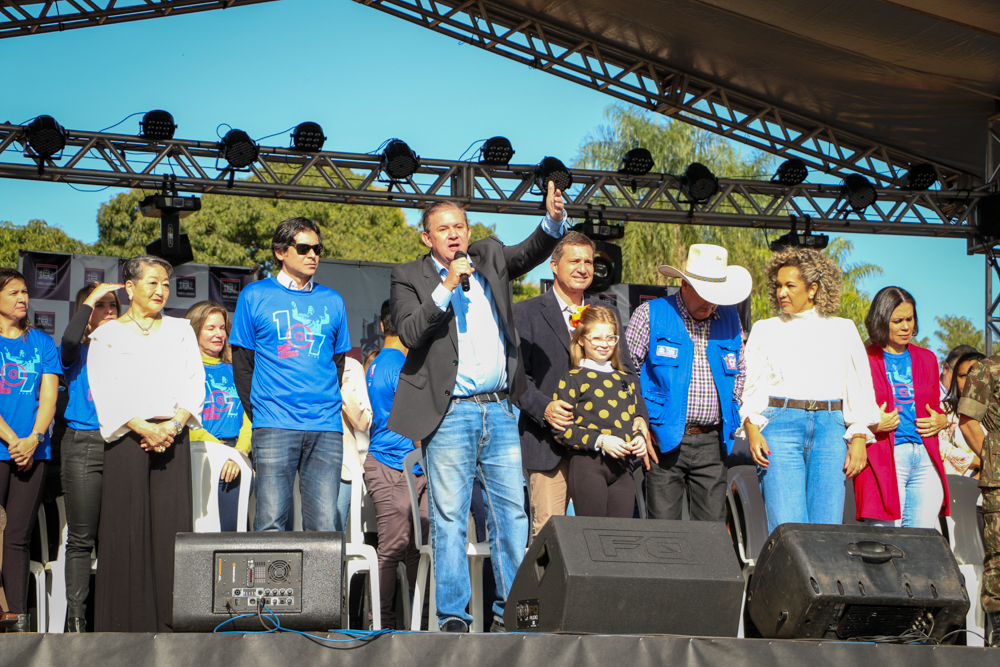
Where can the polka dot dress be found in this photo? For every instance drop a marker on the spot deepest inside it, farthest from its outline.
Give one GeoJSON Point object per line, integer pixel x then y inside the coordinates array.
{"type": "Point", "coordinates": [605, 403]}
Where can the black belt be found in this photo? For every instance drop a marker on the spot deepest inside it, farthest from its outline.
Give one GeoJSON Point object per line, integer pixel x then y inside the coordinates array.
{"type": "Point", "coordinates": [804, 405]}
{"type": "Point", "coordinates": [697, 429]}
{"type": "Point", "coordinates": [488, 397]}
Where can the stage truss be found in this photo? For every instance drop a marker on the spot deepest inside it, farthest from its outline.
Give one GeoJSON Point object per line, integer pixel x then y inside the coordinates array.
{"type": "Point", "coordinates": [32, 17]}
{"type": "Point", "coordinates": [123, 161]}
{"type": "Point", "coordinates": [651, 84]}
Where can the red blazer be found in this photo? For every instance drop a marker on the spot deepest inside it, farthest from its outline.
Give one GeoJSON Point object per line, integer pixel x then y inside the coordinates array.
{"type": "Point", "coordinates": [875, 491]}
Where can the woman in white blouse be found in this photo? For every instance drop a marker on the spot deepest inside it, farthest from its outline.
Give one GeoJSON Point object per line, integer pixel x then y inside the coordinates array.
{"type": "Point", "coordinates": [808, 399]}
{"type": "Point", "coordinates": [148, 384]}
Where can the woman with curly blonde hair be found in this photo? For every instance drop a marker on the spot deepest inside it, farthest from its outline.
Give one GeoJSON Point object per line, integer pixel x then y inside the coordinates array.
{"type": "Point", "coordinates": [809, 386]}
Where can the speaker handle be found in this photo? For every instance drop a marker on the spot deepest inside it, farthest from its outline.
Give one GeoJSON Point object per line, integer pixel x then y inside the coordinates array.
{"type": "Point", "coordinates": [874, 552]}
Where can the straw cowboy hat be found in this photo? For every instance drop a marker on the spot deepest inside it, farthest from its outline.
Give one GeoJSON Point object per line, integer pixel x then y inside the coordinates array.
{"type": "Point", "coordinates": [706, 270]}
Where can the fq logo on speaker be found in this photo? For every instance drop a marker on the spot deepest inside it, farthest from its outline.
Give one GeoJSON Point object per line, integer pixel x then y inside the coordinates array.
{"type": "Point", "coordinates": [628, 546]}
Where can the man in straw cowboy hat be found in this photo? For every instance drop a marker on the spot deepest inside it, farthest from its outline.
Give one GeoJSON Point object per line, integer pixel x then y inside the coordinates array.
{"type": "Point", "coordinates": [688, 347]}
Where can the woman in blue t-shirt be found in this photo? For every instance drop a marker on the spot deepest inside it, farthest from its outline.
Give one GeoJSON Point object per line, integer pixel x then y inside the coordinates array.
{"type": "Point", "coordinates": [222, 417]}
{"type": "Point", "coordinates": [29, 383]}
{"type": "Point", "coordinates": [82, 446]}
{"type": "Point", "coordinates": [904, 483]}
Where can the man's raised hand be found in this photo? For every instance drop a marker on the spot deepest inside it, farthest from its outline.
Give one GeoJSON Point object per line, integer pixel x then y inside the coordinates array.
{"type": "Point", "coordinates": [554, 205]}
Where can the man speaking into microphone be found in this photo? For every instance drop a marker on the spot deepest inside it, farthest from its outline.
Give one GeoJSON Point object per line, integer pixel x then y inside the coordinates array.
{"type": "Point", "coordinates": [456, 389]}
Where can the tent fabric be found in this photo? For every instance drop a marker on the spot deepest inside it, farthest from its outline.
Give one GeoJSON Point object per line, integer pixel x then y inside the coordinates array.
{"type": "Point", "coordinates": [922, 76]}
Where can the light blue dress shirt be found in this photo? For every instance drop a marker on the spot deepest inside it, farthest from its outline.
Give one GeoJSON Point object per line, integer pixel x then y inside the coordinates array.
{"type": "Point", "coordinates": [482, 353]}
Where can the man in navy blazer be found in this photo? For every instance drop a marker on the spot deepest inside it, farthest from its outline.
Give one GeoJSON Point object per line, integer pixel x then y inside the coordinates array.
{"type": "Point", "coordinates": [461, 377]}
{"type": "Point", "coordinates": [544, 325]}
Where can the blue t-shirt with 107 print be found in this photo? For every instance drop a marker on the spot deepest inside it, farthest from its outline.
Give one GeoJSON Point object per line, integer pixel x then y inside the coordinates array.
{"type": "Point", "coordinates": [22, 364]}
{"type": "Point", "coordinates": [294, 336]}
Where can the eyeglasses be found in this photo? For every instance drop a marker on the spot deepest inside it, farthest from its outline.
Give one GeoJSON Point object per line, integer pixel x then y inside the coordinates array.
{"type": "Point", "coordinates": [606, 340]}
{"type": "Point", "coordinates": [304, 248]}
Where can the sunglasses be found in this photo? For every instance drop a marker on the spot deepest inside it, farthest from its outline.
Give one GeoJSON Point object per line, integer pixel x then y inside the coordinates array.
{"type": "Point", "coordinates": [304, 248]}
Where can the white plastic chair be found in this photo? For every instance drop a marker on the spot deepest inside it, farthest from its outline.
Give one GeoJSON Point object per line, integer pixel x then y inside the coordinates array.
{"type": "Point", "coordinates": [207, 460]}
{"type": "Point", "coordinates": [967, 545]}
{"type": "Point", "coordinates": [56, 570]}
{"type": "Point", "coordinates": [37, 570]}
{"type": "Point", "coordinates": [746, 503]}
{"type": "Point", "coordinates": [475, 551]}
{"type": "Point", "coordinates": [360, 556]}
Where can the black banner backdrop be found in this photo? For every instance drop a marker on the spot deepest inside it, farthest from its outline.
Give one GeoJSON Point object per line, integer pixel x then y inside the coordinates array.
{"type": "Point", "coordinates": [47, 275]}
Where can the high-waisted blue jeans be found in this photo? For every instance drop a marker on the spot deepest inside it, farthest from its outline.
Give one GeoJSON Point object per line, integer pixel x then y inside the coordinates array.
{"type": "Point", "coordinates": [474, 441]}
{"type": "Point", "coordinates": [804, 482]}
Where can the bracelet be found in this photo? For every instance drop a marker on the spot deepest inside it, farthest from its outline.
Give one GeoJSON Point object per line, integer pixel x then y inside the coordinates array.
{"type": "Point", "coordinates": [177, 425]}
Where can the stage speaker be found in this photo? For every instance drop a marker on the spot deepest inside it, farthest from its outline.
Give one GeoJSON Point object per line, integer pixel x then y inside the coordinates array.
{"type": "Point", "coordinates": [816, 581]}
{"type": "Point", "coordinates": [298, 576]}
{"type": "Point", "coordinates": [988, 212]}
{"type": "Point", "coordinates": [628, 576]}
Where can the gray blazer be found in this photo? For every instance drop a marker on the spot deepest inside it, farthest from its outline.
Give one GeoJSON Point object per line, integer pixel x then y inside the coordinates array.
{"type": "Point", "coordinates": [428, 376]}
{"type": "Point", "coordinates": [545, 357]}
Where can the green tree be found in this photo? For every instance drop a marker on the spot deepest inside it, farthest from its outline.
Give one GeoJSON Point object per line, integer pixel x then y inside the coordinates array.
{"type": "Point", "coordinates": [675, 145]}
{"type": "Point", "coordinates": [954, 331]}
{"type": "Point", "coordinates": [37, 235]}
{"type": "Point", "coordinates": [525, 289]}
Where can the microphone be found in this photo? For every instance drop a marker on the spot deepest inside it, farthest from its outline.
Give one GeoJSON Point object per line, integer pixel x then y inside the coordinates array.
{"type": "Point", "coordinates": [465, 276]}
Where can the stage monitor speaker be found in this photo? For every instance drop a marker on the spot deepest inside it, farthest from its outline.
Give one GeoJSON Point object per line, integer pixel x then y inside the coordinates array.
{"type": "Point", "coordinates": [298, 576]}
{"type": "Point", "coordinates": [628, 576]}
{"type": "Point", "coordinates": [816, 581]}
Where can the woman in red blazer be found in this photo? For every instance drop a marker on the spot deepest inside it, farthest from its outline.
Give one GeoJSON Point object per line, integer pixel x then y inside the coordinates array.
{"type": "Point", "coordinates": [904, 483]}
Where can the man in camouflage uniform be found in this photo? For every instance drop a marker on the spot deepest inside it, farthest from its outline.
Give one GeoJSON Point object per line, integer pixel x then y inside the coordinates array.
{"type": "Point", "coordinates": [981, 402]}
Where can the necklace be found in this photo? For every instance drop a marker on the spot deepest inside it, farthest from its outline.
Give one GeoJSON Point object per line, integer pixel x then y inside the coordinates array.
{"type": "Point", "coordinates": [144, 330]}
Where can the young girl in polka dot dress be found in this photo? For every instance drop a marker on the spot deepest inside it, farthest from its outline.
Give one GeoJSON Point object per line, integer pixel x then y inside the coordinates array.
{"type": "Point", "coordinates": [603, 439]}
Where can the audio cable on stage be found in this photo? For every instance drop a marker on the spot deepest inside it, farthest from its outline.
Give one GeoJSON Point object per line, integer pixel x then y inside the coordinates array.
{"type": "Point", "coordinates": [266, 616]}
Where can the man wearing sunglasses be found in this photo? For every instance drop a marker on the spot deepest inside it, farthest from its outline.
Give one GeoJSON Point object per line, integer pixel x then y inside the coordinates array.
{"type": "Point", "coordinates": [289, 340]}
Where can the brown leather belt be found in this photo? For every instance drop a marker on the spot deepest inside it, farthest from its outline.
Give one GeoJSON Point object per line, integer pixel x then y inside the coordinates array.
{"type": "Point", "coordinates": [697, 429]}
{"type": "Point", "coordinates": [804, 405]}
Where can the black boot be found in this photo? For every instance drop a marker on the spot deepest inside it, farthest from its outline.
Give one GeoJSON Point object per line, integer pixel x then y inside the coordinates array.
{"type": "Point", "coordinates": [23, 624]}
{"type": "Point", "coordinates": [994, 622]}
{"type": "Point", "coordinates": [76, 624]}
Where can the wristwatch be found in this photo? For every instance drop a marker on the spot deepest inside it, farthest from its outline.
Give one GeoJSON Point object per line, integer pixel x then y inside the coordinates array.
{"type": "Point", "coordinates": [39, 436]}
{"type": "Point", "coordinates": [177, 425]}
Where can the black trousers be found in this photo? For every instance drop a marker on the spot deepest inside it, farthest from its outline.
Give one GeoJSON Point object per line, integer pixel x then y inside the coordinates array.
{"type": "Point", "coordinates": [82, 480]}
{"type": "Point", "coordinates": [693, 468]}
{"type": "Point", "coordinates": [601, 485]}
{"type": "Point", "coordinates": [20, 495]}
{"type": "Point", "coordinates": [145, 503]}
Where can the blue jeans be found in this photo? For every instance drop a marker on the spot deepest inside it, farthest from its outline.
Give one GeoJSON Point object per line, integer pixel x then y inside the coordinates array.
{"type": "Point", "coordinates": [278, 455]}
{"type": "Point", "coordinates": [342, 511]}
{"type": "Point", "coordinates": [474, 441]}
{"type": "Point", "coordinates": [920, 490]}
{"type": "Point", "coordinates": [804, 482]}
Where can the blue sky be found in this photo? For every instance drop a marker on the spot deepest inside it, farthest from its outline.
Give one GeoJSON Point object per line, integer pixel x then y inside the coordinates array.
{"type": "Point", "coordinates": [365, 77]}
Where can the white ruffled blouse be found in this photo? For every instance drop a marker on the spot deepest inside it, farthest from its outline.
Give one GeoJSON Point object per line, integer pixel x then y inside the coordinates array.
{"type": "Point", "coordinates": [809, 356]}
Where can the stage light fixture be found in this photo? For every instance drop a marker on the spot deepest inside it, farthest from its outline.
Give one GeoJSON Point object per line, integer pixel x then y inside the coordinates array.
{"type": "Point", "coordinates": [46, 137]}
{"type": "Point", "coordinates": [791, 172]}
{"type": "Point", "coordinates": [157, 125]}
{"type": "Point", "coordinates": [496, 151]}
{"type": "Point", "coordinates": [238, 149]}
{"type": "Point", "coordinates": [793, 238]}
{"type": "Point", "coordinates": [920, 177]}
{"type": "Point", "coordinates": [699, 182]}
{"type": "Point", "coordinates": [399, 162]}
{"type": "Point", "coordinates": [552, 169]}
{"type": "Point", "coordinates": [859, 191]}
{"type": "Point", "coordinates": [308, 137]}
{"type": "Point", "coordinates": [637, 162]}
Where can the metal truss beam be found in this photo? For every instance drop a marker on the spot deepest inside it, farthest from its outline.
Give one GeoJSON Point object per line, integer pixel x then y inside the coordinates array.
{"type": "Point", "coordinates": [123, 161]}
{"type": "Point", "coordinates": [31, 17]}
{"type": "Point", "coordinates": [988, 247]}
{"type": "Point", "coordinates": [532, 41]}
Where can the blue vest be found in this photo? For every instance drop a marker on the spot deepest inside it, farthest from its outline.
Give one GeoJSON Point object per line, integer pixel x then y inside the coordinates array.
{"type": "Point", "coordinates": [666, 373]}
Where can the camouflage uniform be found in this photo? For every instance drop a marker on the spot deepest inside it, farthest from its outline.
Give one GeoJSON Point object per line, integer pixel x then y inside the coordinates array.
{"type": "Point", "coordinates": [981, 401]}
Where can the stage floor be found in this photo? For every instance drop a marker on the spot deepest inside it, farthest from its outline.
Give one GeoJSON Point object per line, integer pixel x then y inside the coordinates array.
{"type": "Point", "coordinates": [469, 650]}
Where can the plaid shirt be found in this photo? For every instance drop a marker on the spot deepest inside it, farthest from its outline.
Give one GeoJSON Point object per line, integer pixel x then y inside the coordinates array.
{"type": "Point", "coordinates": [703, 398]}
